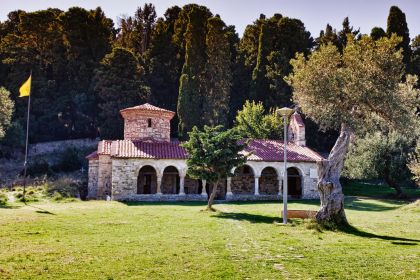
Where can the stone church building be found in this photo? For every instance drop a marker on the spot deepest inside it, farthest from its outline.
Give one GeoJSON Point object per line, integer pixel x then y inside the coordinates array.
{"type": "Point", "coordinates": [148, 166]}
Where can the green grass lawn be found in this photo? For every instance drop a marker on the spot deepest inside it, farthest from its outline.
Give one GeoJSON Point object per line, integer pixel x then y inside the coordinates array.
{"type": "Point", "coordinates": [374, 190]}
{"type": "Point", "coordinates": [112, 240]}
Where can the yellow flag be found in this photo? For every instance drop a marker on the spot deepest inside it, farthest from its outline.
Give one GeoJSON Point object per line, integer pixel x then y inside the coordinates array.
{"type": "Point", "coordinates": [25, 89]}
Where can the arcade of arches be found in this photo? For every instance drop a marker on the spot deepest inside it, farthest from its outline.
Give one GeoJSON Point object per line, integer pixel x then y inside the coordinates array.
{"type": "Point", "coordinates": [244, 182]}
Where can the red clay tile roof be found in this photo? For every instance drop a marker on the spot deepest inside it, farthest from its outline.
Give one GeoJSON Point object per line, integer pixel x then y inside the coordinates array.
{"type": "Point", "coordinates": [152, 150]}
{"type": "Point", "coordinates": [261, 150]}
{"type": "Point", "coordinates": [272, 150]}
{"type": "Point", "coordinates": [104, 147]}
{"type": "Point", "coordinates": [146, 107]}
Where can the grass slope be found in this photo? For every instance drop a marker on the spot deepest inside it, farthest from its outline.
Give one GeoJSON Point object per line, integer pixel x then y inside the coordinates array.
{"type": "Point", "coordinates": [112, 240]}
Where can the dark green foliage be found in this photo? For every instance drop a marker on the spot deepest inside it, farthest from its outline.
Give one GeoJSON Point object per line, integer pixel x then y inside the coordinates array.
{"type": "Point", "coordinates": [135, 32]}
{"type": "Point", "coordinates": [38, 167]}
{"type": "Point", "coordinates": [397, 24]}
{"type": "Point", "coordinates": [218, 75]}
{"type": "Point", "coordinates": [377, 33]}
{"type": "Point", "coordinates": [415, 57]}
{"type": "Point", "coordinates": [328, 36]}
{"type": "Point", "coordinates": [15, 136]}
{"type": "Point", "coordinates": [379, 156]}
{"type": "Point", "coordinates": [280, 38]}
{"type": "Point", "coordinates": [62, 49]}
{"type": "Point", "coordinates": [340, 38]}
{"type": "Point", "coordinates": [70, 160]}
{"type": "Point", "coordinates": [118, 84]}
{"type": "Point", "coordinates": [164, 65]}
{"type": "Point", "coordinates": [191, 90]}
{"type": "Point", "coordinates": [214, 152]}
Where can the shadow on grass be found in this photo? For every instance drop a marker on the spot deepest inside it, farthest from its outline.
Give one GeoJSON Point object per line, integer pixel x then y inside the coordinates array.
{"type": "Point", "coordinates": [2, 206]}
{"type": "Point", "coordinates": [397, 240]}
{"type": "Point", "coordinates": [41, 210]}
{"type": "Point", "coordinates": [163, 203]}
{"type": "Point", "coordinates": [252, 218]}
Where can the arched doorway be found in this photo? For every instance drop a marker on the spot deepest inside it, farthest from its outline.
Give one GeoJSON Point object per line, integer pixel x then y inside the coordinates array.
{"type": "Point", "coordinates": [269, 183]}
{"type": "Point", "coordinates": [243, 181]}
{"type": "Point", "coordinates": [170, 180]}
{"type": "Point", "coordinates": [146, 180]}
{"type": "Point", "coordinates": [294, 182]}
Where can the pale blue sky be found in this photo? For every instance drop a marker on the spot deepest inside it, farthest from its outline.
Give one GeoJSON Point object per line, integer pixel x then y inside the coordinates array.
{"type": "Point", "coordinates": [314, 14]}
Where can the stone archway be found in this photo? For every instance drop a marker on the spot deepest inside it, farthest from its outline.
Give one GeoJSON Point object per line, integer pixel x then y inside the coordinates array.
{"type": "Point", "coordinates": [170, 180]}
{"type": "Point", "coordinates": [269, 183]}
{"type": "Point", "coordinates": [243, 180]}
{"type": "Point", "coordinates": [147, 180]}
{"type": "Point", "coordinates": [294, 182]}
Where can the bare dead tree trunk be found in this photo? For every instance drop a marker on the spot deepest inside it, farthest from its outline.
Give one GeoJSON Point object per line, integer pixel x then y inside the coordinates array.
{"type": "Point", "coordinates": [212, 195]}
{"type": "Point", "coordinates": [331, 193]}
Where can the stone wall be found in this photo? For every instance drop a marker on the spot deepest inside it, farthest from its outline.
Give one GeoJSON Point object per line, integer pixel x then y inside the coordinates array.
{"type": "Point", "coordinates": [104, 176]}
{"type": "Point", "coordinates": [125, 172]}
{"type": "Point", "coordinates": [60, 146]}
{"type": "Point", "coordinates": [93, 179]}
{"type": "Point", "coordinates": [136, 126]}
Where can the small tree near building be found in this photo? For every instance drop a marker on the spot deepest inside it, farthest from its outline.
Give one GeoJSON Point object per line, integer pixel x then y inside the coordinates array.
{"type": "Point", "coordinates": [358, 91]}
{"type": "Point", "coordinates": [213, 153]}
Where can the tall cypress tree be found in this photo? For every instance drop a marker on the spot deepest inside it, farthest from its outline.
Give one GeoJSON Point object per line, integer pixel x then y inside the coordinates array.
{"type": "Point", "coordinates": [164, 65]}
{"type": "Point", "coordinates": [218, 76]}
{"type": "Point", "coordinates": [397, 24]}
{"type": "Point", "coordinates": [190, 99]}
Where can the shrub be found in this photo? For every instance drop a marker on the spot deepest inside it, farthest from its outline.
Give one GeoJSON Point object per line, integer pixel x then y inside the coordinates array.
{"type": "Point", "coordinates": [3, 199]}
{"type": "Point", "coordinates": [39, 167]}
{"type": "Point", "coordinates": [70, 160]}
{"type": "Point", "coordinates": [65, 187]}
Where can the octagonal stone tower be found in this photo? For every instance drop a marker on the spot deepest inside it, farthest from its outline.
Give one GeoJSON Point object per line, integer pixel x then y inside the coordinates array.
{"type": "Point", "coordinates": [147, 123]}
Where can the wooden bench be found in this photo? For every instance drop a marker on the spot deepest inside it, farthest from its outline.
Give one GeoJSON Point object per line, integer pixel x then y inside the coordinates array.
{"type": "Point", "coordinates": [300, 214]}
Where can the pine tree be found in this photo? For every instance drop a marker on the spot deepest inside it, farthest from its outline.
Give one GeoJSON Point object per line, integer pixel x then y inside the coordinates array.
{"type": "Point", "coordinates": [135, 31]}
{"type": "Point", "coordinates": [345, 31]}
{"type": "Point", "coordinates": [190, 100]}
{"type": "Point", "coordinates": [328, 36]}
{"type": "Point", "coordinates": [377, 33]}
{"type": "Point", "coordinates": [118, 84]}
{"type": "Point", "coordinates": [218, 76]}
{"type": "Point", "coordinates": [397, 24]}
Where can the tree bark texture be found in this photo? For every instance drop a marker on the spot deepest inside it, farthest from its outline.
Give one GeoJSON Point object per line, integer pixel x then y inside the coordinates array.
{"type": "Point", "coordinates": [212, 195]}
{"type": "Point", "coordinates": [331, 193]}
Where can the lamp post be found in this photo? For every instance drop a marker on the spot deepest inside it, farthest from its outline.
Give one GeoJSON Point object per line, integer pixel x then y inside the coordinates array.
{"type": "Point", "coordinates": [286, 113]}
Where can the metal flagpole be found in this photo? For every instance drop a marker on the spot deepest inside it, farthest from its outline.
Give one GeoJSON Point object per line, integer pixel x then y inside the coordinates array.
{"type": "Point", "coordinates": [25, 164]}
{"type": "Point", "coordinates": [285, 172]}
